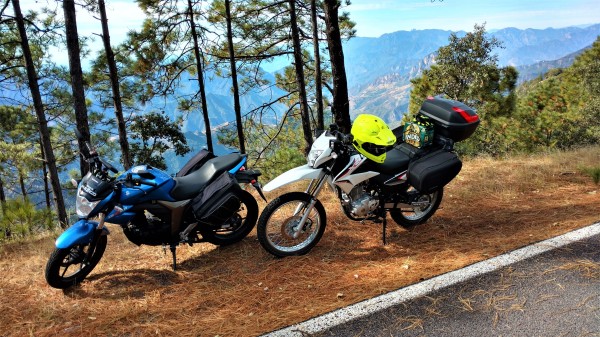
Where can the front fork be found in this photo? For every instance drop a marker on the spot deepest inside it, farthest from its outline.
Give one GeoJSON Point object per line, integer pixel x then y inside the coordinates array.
{"type": "Point", "coordinates": [313, 189]}
{"type": "Point", "coordinates": [97, 233]}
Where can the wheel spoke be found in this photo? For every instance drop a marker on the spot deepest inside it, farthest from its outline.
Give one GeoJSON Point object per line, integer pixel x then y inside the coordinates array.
{"type": "Point", "coordinates": [283, 225]}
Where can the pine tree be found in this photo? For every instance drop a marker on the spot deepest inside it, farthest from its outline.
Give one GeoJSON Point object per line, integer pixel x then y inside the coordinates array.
{"type": "Point", "coordinates": [116, 91]}
{"type": "Point", "coordinates": [299, 68]}
{"type": "Point", "coordinates": [234, 79]}
{"type": "Point", "coordinates": [318, 72]}
{"type": "Point", "coordinates": [162, 54]}
{"type": "Point", "coordinates": [341, 102]}
{"type": "Point", "coordinates": [77, 84]}
{"type": "Point", "coordinates": [467, 70]}
{"type": "Point", "coordinates": [41, 117]}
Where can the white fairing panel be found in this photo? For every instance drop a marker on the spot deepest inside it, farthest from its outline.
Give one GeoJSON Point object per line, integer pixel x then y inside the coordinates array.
{"type": "Point", "coordinates": [346, 180]}
{"type": "Point", "coordinates": [347, 183]}
{"type": "Point", "coordinates": [293, 175]}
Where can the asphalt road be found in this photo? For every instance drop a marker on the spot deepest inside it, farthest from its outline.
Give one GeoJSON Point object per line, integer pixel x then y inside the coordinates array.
{"type": "Point", "coordinates": [555, 293]}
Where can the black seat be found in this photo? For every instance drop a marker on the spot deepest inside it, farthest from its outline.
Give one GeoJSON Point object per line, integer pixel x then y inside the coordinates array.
{"type": "Point", "coordinates": [195, 163]}
{"type": "Point", "coordinates": [395, 162]}
{"type": "Point", "coordinates": [189, 186]}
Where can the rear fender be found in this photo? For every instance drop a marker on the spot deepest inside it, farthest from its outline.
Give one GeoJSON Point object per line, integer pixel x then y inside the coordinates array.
{"type": "Point", "coordinates": [81, 232]}
{"type": "Point", "coordinates": [293, 175]}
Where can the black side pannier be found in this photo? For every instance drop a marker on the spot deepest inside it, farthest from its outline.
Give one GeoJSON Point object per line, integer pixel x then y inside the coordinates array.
{"type": "Point", "coordinates": [218, 201]}
{"type": "Point", "coordinates": [433, 171]}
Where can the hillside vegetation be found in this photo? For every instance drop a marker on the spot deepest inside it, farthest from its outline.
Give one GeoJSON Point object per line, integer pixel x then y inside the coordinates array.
{"type": "Point", "coordinates": [494, 206]}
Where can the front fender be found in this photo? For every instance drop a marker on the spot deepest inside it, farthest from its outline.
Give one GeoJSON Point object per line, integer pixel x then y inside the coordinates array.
{"type": "Point", "coordinates": [81, 232]}
{"type": "Point", "coordinates": [293, 175]}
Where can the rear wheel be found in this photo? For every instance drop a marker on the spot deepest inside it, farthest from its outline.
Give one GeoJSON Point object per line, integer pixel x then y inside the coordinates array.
{"type": "Point", "coordinates": [279, 223]}
{"type": "Point", "coordinates": [67, 267]}
{"type": "Point", "coordinates": [237, 226]}
{"type": "Point", "coordinates": [409, 218]}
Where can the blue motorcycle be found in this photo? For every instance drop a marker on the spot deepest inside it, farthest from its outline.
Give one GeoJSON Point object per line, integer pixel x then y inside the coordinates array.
{"type": "Point", "coordinates": [202, 203]}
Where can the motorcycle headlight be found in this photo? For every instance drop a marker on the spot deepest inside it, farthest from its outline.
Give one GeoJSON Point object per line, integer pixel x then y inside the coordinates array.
{"type": "Point", "coordinates": [84, 207]}
{"type": "Point", "coordinates": [312, 156]}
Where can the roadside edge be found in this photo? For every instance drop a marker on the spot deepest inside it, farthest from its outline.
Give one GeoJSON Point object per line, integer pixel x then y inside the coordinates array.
{"type": "Point", "coordinates": [381, 302]}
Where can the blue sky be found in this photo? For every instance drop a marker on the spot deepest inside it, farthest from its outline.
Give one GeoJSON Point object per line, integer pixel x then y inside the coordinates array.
{"type": "Point", "coordinates": [374, 18]}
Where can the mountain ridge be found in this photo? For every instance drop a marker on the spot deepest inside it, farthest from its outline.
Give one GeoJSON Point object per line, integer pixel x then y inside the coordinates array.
{"type": "Point", "coordinates": [382, 87]}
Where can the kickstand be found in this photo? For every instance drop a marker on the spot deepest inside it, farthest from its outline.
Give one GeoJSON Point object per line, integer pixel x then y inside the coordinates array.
{"type": "Point", "coordinates": [173, 252]}
{"type": "Point", "coordinates": [384, 227]}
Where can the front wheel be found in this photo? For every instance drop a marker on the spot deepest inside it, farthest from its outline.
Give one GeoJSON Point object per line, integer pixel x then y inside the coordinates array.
{"type": "Point", "coordinates": [278, 228]}
{"type": "Point", "coordinates": [237, 226]}
{"type": "Point", "coordinates": [411, 217]}
{"type": "Point", "coordinates": [67, 267]}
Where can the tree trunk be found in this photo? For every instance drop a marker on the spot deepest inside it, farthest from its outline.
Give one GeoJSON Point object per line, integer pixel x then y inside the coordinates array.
{"type": "Point", "coordinates": [236, 93]}
{"type": "Point", "coordinates": [299, 66]}
{"type": "Point", "coordinates": [22, 185]}
{"type": "Point", "coordinates": [81, 117]}
{"type": "Point", "coordinates": [45, 177]}
{"type": "Point", "coordinates": [318, 76]}
{"type": "Point", "coordinates": [200, 71]}
{"type": "Point", "coordinates": [341, 104]}
{"type": "Point", "coordinates": [116, 91]}
{"type": "Point", "coordinates": [41, 117]}
{"type": "Point", "coordinates": [2, 197]}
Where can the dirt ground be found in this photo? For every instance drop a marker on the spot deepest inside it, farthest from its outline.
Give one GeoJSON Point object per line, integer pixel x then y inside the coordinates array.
{"type": "Point", "coordinates": [240, 290]}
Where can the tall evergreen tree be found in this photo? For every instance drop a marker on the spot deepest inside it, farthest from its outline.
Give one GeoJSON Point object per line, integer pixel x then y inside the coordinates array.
{"type": "Point", "coordinates": [116, 91]}
{"type": "Point", "coordinates": [163, 54]}
{"type": "Point", "coordinates": [77, 84]}
{"type": "Point", "coordinates": [299, 68]}
{"type": "Point", "coordinates": [41, 117]}
{"type": "Point", "coordinates": [467, 70]}
{"type": "Point", "coordinates": [200, 75]}
{"type": "Point", "coordinates": [318, 73]}
{"type": "Point", "coordinates": [341, 102]}
{"type": "Point", "coordinates": [234, 80]}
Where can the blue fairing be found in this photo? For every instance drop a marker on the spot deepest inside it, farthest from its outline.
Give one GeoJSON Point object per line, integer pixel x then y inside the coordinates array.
{"type": "Point", "coordinates": [82, 232]}
{"type": "Point", "coordinates": [138, 194]}
{"type": "Point", "coordinates": [121, 215]}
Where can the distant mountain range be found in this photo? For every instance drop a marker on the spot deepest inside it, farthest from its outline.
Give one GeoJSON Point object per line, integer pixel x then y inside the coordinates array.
{"type": "Point", "coordinates": [379, 72]}
{"type": "Point", "coordinates": [379, 69]}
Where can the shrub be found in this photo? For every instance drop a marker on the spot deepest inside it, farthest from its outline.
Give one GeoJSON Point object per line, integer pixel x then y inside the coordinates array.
{"type": "Point", "coordinates": [21, 218]}
{"type": "Point", "coordinates": [594, 172]}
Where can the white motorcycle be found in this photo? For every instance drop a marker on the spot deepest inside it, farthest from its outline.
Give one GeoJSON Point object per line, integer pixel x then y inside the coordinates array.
{"type": "Point", "coordinates": [370, 174]}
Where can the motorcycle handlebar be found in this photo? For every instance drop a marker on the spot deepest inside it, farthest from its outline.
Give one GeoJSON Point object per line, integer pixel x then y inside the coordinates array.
{"type": "Point", "coordinates": [345, 139]}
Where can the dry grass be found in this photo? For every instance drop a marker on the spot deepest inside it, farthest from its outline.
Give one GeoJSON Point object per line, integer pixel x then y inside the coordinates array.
{"type": "Point", "coordinates": [491, 208]}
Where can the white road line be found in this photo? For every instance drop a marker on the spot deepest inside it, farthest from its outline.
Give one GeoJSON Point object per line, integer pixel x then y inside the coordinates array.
{"type": "Point", "coordinates": [373, 305]}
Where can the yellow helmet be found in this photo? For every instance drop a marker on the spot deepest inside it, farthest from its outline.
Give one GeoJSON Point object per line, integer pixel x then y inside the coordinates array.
{"type": "Point", "coordinates": [372, 137]}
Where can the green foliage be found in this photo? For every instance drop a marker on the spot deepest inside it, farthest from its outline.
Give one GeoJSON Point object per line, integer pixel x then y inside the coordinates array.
{"type": "Point", "coordinates": [153, 134]}
{"type": "Point", "coordinates": [593, 172]}
{"type": "Point", "coordinates": [21, 219]}
{"type": "Point", "coordinates": [272, 149]}
{"type": "Point", "coordinates": [466, 70]}
{"type": "Point", "coordinates": [561, 110]}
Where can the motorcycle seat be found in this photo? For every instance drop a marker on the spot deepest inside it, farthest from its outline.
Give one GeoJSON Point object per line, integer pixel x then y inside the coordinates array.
{"type": "Point", "coordinates": [189, 186]}
{"type": "Point", "coordinates": [395, 162]}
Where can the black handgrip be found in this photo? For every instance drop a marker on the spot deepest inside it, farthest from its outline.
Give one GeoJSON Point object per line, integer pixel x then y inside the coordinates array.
{"type": "Point", "coordinates": [108, 166]}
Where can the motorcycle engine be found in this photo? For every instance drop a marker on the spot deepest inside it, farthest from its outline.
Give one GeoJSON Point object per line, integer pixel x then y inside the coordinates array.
{"type": "Point", "coordinates": [359, 203]}
{"type": "Point", "coordinates": [148, 229]}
